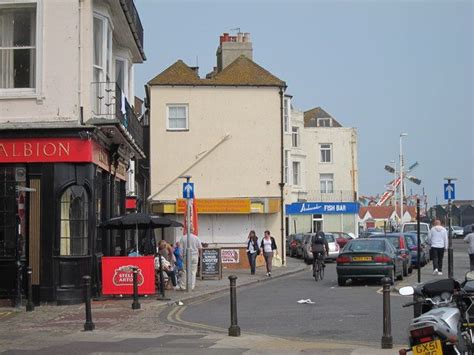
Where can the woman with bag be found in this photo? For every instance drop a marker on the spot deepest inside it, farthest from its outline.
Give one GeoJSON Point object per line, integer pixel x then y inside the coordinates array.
{"type": "Point", "coordinates": [268, 247]}
{"type": "Point", "coordinates": [252, 251]}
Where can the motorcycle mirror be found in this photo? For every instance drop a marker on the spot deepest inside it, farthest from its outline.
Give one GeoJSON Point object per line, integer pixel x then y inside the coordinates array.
{"type": "Point", "coordinates": [469, 276]}
{"type": "Point", "coordinates": [406, 291]}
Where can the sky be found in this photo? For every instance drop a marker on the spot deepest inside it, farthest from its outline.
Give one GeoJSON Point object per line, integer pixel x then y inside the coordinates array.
{"type": "Point", "coordinates": [384, 67]}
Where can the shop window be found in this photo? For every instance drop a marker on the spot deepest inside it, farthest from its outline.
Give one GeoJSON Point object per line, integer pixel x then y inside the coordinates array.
{"type": "Point", "coordinates": [74, 221]}
{"type": "Point", "coordinates": [8, 207]}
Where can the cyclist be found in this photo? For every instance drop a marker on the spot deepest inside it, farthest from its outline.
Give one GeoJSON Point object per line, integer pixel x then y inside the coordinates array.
{"type": "Point", "coordinates": [319, 248]}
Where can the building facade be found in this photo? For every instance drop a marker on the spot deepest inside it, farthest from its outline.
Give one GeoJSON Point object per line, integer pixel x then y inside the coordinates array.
{"type": "Point", "coordinates": [67, 134]}
{"type": "Point", "coordinates": [225, 131]}
{"type": "Point", "coordinates": [323, 171]}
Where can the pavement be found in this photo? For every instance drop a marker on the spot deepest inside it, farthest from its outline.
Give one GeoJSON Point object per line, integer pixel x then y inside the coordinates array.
{"type": "Point", "coordinates": [52, 329]}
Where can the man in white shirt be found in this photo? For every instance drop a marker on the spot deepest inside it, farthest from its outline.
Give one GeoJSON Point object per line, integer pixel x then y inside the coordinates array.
{"type": "Point", "coordinates": [196, 249]}
{"type": "Point", "coordinates": [470, 239]}
{"type": "Point", "coordinates": [439, 243]}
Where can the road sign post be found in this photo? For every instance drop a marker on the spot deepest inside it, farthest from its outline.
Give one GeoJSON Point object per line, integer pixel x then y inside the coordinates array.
{"type": "Point", "coordinates": [188, 194]}
{"type": "Point", "coordinates": [449, 194]}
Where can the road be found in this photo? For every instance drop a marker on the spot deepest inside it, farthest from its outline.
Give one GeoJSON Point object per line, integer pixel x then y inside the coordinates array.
{"type": "Point", "coordinates": [349, 314]}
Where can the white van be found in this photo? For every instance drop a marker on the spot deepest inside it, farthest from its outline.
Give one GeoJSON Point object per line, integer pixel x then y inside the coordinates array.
{"type": "Point", "coordinates": [411, 228]}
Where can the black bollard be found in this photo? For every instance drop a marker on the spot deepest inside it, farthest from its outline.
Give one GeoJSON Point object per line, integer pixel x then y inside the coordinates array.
{"type": "Point", "coordinates": [387, 341]}
{"type": "Point", "coordinates": [29, 305]}
{"type": "Point", "coordinates": [135, 304]}
{"type": "Point", "coordinates": [234, 329]}
{"type": "Point", "coordinates": [88, 325]}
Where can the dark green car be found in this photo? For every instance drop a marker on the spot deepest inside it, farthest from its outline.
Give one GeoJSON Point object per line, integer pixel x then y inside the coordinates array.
{"type": "Point", "coordinates": [372, 258]}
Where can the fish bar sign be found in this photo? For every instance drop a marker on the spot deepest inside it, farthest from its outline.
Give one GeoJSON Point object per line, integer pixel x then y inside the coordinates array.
{"type": "Point", "coordinates": [117, 275]}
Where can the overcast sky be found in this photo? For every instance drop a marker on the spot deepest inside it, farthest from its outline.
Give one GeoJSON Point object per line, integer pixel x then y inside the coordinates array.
{"type": "Point", "coordinates": [384, 67]}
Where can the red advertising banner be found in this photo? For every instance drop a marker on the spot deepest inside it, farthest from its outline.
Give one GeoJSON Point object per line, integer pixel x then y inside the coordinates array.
{"type": "Point", "coordinates": [117, 275]}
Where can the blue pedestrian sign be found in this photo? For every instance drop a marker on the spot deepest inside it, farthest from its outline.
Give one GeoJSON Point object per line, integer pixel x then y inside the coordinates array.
{"type": "Point", "coordinates": [188, 190]}
{"type": "Point", "coordinates": [449, 191]}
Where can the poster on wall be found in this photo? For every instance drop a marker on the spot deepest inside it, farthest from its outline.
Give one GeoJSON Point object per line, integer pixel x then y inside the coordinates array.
{"type": "Point", "coordinates": [230, 256]}
{"type": "Point", "coordinates": [117, 275]}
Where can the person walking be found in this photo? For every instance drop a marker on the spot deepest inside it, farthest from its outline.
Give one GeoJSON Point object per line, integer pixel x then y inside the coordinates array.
{"type": "Point", "coordinates": [439, 243]}
{"type": "Point", "coordinates": [470, 239]}
{"type": "Point", "coordinates": [268, 248]}
{"type": "Point", "coordinates": [196, 248]}
{"type": "Point", "coordinates": [177, 252]}
{"type": "Point", "coordinates": [252, 251]}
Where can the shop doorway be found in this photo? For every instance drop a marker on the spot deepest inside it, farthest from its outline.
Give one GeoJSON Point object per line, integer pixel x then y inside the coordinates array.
{"type": "Point", "coordinates": [317, 224]}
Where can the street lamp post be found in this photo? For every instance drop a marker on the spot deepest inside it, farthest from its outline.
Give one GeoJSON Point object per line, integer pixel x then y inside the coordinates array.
{"type": "Point", "coordinates": [401, 178]}
{"type": "Point", "coordinates": [450, 234]}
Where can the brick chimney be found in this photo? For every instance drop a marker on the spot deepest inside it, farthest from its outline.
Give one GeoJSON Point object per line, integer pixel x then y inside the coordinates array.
{"type": "Point", "coordinates": [232, 47]}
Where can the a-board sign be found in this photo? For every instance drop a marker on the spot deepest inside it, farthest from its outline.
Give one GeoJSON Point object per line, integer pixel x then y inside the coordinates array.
{"type": "Point", "coordinates": [211, 264]}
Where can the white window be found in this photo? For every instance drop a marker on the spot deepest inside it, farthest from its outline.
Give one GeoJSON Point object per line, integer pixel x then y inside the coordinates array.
{"type": "Point", "coordinates": [286, 166]}
{"type": "Point", "coordinates": [296, 173]}
{"type": "Point", "coordinates": [121, 75]}
{"type": "Point", "coordinates": [324, 122]}
{"type": "Point", "coordinates": [326, 182]}
{"type": "Point", "coordinates": [286, 114]}
{"type": "Point", "coordinates": [326, 152]}
{"type": "Point", "coordinates": [102, 57]}
{"type": "Point", "coordinates": [177, 117]}
{"type": "Point", "coordinates": [18, 52]}
{"type": "Point", "coordinates": [295, 136]}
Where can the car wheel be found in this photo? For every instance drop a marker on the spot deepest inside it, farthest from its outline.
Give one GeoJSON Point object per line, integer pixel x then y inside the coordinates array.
{"type": "Point", "coordinates": [405, 270]}
{"type": "Point", "coordinates": [399, 277]}
{"type": "Point", "coordinates": [341, 281]}
{"type": "Point", "coordinates": [410, 269]}
{"type": "Point", "coordinates": [391, 277]}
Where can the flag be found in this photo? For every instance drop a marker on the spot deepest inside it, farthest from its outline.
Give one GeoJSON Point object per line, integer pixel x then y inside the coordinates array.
{"type": "Point", "coordinates": [194, 218]}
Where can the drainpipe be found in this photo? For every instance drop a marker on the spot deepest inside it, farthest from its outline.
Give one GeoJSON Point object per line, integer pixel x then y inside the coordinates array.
{"type": "Point", "coordinates": [79, 78]}
{"type": "Point", "coordinates": [282, 182]}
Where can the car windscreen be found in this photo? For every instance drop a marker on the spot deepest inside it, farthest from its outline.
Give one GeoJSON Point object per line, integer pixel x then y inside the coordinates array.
{"type": "Point", "coordinates": [299, 237]}
{"type": "Point", "coordinates": [366, 245]}
{"type": "Point", "coordinates": [395, 241]}
{"type": "Point", "coordinates": [409, 227]}
{"type": "Point", "coordinates": [329, 238]}
{"type": "Point", "coordinates": [411, 240]}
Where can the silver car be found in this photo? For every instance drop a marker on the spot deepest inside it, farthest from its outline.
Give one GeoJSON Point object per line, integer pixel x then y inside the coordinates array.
{"type": "Point", "coordinates": [333, 247]}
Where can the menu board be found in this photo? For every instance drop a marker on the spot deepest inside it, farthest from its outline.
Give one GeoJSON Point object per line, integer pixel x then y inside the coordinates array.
{"type": "Point", "coordinates": [211, 264]}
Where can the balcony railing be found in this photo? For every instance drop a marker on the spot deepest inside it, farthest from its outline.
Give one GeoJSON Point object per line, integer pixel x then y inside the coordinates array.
{"type": "Point", "coordinates": [109, 101]}
{"type": "Point", "coordinates": [321, 196]}
{"type": "Point", "coordinates": [135, 23]}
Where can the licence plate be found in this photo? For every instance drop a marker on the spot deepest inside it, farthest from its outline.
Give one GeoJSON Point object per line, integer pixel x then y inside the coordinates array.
{"type": "Point", "coordinates": [362, 258]}
{"type": "Point", "coordinates": [430, 348]}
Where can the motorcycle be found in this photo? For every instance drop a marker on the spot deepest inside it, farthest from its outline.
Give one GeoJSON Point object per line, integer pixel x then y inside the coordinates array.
{"type": "Point", "coordinates": [444, 317]}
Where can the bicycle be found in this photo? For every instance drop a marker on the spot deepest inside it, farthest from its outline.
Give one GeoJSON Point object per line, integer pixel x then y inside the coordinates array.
{"type": "Point", "coordinates": [318, 267]}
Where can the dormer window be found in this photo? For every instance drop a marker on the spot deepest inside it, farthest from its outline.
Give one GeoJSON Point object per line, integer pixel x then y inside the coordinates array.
{"type": "Point", "coordinates": [324, 122]}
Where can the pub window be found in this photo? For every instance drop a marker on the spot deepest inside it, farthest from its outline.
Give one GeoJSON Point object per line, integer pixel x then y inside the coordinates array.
{"type": "Point", "coordinates": [74, 221]}
{"type": "Point", "coordinates": [7, 212]}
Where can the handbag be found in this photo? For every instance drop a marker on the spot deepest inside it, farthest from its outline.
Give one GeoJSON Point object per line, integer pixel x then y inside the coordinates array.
{"type": "Point", "coordinates": [276, 262]}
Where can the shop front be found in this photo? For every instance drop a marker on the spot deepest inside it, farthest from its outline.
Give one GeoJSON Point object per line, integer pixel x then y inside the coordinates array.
{"type": "Point", "coordinates": [53, 192]}
{"type": "Point", "coordinates": [305, 217]}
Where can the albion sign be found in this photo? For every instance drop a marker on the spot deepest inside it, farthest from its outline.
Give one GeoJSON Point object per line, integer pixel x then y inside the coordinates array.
{"type": "Point", "coordinates": [45, 150]}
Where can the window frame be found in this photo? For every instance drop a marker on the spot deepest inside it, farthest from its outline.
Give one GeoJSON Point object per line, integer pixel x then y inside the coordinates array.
{"type": "Point", "coordinates": [295, 137]}
{"type": "Point", "coordinates": [35, 92]}
{"type": "Point", "coordinates": [296, 168]}
{"type": "Point", "coordinates": [324, 119]}
{"type": "Point", "coordinates": [326, 181]}
{"type": "Point", "coordinates": [107, 58]}
{"type": "Point", "coordinates": [325, 150]}
{"type": "Point", "coordinates": [173, 129]}
{"type": "Point", "coordinates": [286, 166]}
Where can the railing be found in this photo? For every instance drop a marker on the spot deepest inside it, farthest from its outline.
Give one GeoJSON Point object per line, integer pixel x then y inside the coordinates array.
{"type": "Point", "coordinates": [321, 196]}
{"type": "Point", "coordinates": [108, 101]}
{"type": "Point", "coordinates": [135, 23]}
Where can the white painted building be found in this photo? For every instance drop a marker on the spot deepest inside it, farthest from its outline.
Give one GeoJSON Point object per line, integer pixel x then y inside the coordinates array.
{"type": "Point", "coordinates": [324, 173]}
{"type": "Point", "coordinates": [225, 131]}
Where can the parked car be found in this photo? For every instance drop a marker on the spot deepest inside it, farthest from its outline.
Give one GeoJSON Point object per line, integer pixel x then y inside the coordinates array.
{"type": "Point", "coordinates": [369, 258]}
{"type": "Point", "coordinates": [295, 244]}
{"type": "Point", "coordinates": [456, 231]}
{"type": "Point", "coordinates": [400, 243]}
{"type": "Point", "coordinates": [341, 238]}
{"type": "Point", "coordinates": [467, 229]}
{"type": "Point", "coordinates": [289, 239]}
{"type": "Point", "coordinates": [308, 254]}
{"type": "Point", "coordinates": [413, 247]}
{"type": "Point", "coordinates": [411, 227]}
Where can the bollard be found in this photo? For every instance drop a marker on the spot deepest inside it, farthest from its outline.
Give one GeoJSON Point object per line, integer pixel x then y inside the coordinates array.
{"type": "Point", "coordinates": [88, 325]}
{"type": "Point", "coordinates": [234, 329]}
{"type": "Point", "coordinates": [135, 304]}
{"type": "Point", "coordinates": [29, 305]}
{"type": "Point", "coordinates": [387, 341]}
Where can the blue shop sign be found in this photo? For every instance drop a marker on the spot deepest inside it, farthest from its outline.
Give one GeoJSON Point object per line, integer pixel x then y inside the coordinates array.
{"type": "Point", "coordinates": [323, 208]}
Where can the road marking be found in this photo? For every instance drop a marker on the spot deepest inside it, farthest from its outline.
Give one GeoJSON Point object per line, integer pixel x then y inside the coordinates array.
{"type": "Point", "coordinates": [5, 314]}
{"type": "Point", "coordinates": [174, 316]}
